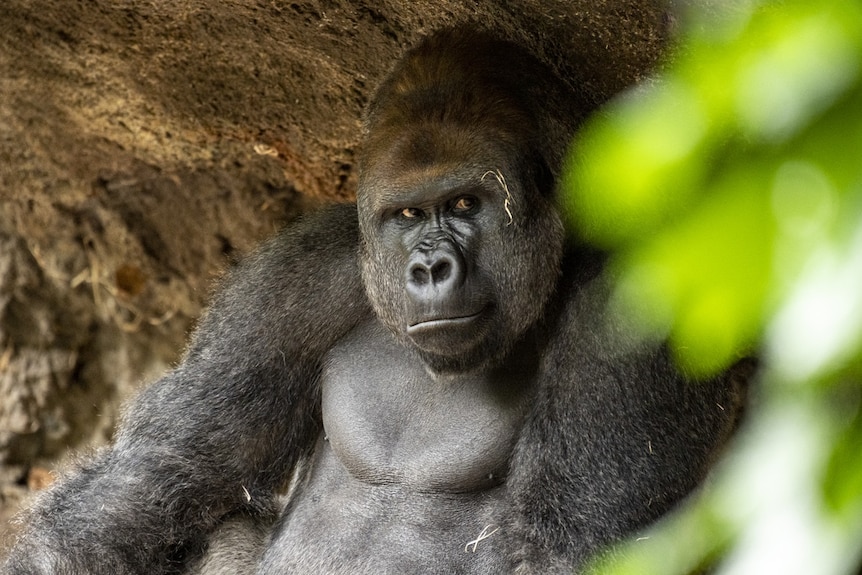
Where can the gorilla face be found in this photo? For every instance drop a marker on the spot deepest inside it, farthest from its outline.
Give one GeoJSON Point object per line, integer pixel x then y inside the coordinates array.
{"type": "Point", "coordinates": [460, 246]}
{"type": "Point", "coordinates": [461, 242]}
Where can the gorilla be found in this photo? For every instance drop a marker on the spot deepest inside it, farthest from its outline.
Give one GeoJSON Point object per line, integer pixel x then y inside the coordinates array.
{"type": "Point", "coordinates": [422, 382]}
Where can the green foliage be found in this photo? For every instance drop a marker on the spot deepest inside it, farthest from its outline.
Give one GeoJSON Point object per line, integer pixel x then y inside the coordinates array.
{"type": "Point", "coordinates": [730, 190]}
{"type": "Point", "coordinates": [716, 180]}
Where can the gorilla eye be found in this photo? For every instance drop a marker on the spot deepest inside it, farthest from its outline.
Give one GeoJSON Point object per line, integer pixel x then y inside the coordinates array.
{"type": "Point", "coordinates": [464, 204]}
{"type": "Point", "coordinates": [411, 213]}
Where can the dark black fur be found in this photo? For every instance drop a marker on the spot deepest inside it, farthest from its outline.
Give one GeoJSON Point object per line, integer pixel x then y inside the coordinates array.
{"type": "Point", "coordinates": [532, 416]}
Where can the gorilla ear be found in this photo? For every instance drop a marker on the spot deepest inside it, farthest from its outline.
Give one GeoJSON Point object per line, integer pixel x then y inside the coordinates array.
{"type": "Point", "coordinates": [538, 172]}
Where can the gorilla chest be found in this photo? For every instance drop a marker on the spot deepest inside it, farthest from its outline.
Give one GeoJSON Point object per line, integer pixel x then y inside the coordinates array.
{"type": "Point", "coordinates": [389, 420]}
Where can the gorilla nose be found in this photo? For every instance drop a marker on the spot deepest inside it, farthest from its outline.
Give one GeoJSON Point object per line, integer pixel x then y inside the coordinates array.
{"type": "Point", "coordinates": [434, 275]}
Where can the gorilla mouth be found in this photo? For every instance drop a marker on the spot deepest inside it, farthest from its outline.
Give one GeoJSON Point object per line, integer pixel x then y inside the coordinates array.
{"type": "Point", "coordinates": [449, 336]}
{"type": "Point", "coordinates": [442, 324]}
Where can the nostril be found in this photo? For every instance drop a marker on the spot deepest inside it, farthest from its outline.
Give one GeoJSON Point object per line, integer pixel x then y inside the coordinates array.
{"type": "Point", "coordinates": [440, 271]}
{"type": "Point", "coordinates": [419, 274]}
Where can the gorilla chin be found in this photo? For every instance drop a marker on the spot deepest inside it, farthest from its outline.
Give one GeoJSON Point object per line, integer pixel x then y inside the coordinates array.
{"type": "Point", "coordinates": [451, 336]}
{"type": "Point", "coordinates": [461, 345]}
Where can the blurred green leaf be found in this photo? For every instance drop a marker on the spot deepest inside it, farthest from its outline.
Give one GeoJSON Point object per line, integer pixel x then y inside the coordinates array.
{"type": "Point", "coordinates": [729, 190]}
{"type": "Point", "coordinates": [710, 181]}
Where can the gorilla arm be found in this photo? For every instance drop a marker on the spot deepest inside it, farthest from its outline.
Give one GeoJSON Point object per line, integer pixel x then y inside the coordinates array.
{"type": "Point", "coordinates": [616, 438]}
{"type": "Point", "coordinates": [223, 430]}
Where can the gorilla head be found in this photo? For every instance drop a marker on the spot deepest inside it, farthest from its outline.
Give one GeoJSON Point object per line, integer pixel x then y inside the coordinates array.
{"type": "Point", "coordinates": [461, 241]}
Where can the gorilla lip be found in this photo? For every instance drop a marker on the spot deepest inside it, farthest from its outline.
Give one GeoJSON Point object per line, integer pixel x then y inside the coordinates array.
{"type": "Point", "coordinates": [442, 323]}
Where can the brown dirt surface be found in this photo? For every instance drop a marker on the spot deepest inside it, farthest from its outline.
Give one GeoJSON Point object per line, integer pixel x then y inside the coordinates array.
{"type": "Point", "coordinates": [145, 145]}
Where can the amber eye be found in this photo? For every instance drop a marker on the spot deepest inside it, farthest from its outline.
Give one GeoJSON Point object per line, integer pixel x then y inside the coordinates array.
{"type": "Point", "coordinates": [464, 204]}
{"type": "Point", "coordinates": [411, 213]}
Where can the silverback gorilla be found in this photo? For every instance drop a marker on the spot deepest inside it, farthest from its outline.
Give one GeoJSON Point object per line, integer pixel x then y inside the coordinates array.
{"type": "Point", "coordinates": [429, 371]}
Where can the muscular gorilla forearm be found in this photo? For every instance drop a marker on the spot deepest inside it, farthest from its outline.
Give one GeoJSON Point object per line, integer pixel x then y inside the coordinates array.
{"type": "Point", "coordinates": [221, 431]}
{"type": "Point", "coordinates": [619, 445]}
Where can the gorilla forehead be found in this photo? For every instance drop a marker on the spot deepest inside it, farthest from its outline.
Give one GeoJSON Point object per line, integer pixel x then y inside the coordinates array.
{"type": "Point", "coordinates": [421, 186]}
{"type": "Point", "coordinates": [427, 162]}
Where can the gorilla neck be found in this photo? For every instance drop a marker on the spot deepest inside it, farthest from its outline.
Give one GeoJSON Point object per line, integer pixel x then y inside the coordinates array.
{"type": "Point", "coordinates": [389, 419]}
